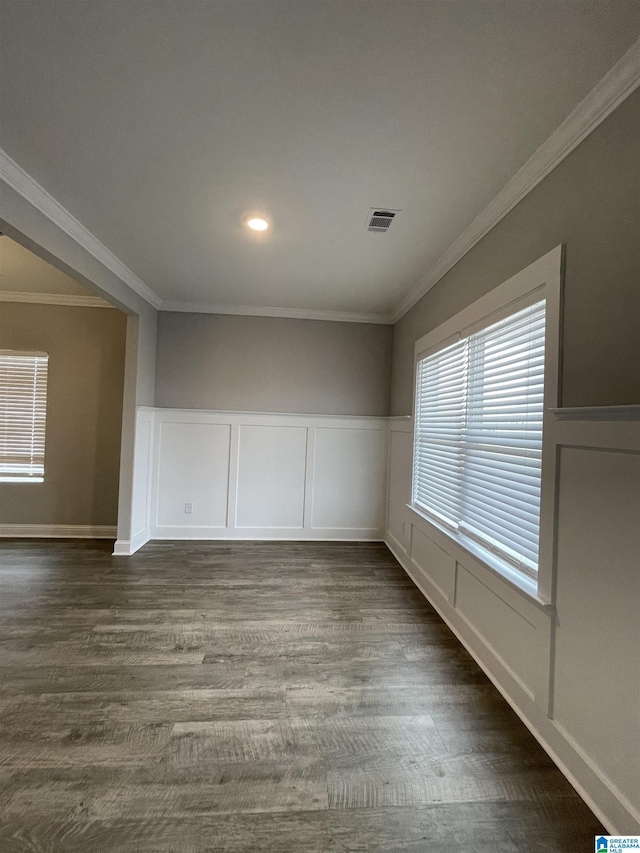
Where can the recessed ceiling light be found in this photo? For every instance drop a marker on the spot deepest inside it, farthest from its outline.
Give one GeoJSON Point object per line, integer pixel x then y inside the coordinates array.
{"type": "Point", "coordinates": [257, 223]}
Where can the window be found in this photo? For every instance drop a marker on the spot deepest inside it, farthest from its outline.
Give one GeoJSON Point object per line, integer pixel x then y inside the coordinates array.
{"type": "Point", "coordinates": [23, 410]}
{"type": "Point", "coordinates": [482, 398]}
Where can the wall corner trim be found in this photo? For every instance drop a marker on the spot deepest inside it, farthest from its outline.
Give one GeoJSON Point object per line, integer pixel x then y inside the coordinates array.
{"type": "Point", "coordinates": [602, 100]}
{"type": "Point", "coordinates": [19, 180]}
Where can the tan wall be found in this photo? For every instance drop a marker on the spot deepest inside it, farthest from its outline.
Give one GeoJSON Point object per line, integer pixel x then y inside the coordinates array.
{"type": "Point", "coordinates": [86, 349]}
{"type": "Point", "coordinates": [591, 203]}
{"type": "Point", "coordinates": [267, 364]}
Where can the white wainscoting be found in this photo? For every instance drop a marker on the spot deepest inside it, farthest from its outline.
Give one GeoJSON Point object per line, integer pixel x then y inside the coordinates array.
{"type": "Point", "coordinates": [262, 476]}
{"type": "Point", "coordinates": [569, 667]}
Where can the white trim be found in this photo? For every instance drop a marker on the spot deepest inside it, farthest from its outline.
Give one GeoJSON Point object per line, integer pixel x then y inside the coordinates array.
{"type": "Point", "coordinates": [71, 299]}
{"type": "Point", "coordinates": [122, 548]}
{"type": "Point", "coordinates": [16, 177]}
{"type": "Point", "coordinates": [614, 87]}
{"type": "Point", "coordinates": [266, 534]}
{"type": "Point", "coordinates": [259, 311]}
{"type": "Point", "coordinates": [57, 531]}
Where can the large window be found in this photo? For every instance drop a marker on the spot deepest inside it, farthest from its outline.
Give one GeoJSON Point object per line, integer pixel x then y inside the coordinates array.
{"type": "Point", "coordinates": [479, 408]}
{"type": "Point", "coordinates": [23, 411]}
{"type": "Point", "coordinates": [485, 383]}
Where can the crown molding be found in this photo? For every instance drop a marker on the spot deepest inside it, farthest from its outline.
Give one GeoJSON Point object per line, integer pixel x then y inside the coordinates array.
{"type": "Point", "coordinates": [291, 313]}
{"type": "Point", "coordinates": [601, 101]}
{"type": "Point", "coordinates": [72, 299]}
{"type": "Point", "coordinates": [16, 177]}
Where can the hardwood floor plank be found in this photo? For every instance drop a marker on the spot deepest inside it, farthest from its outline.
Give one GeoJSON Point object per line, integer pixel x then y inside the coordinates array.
{"type": "Point", "coordinates": [406, 701]}
{"type": "Point", "coordinates": [362, 790]}
{"type": "Point", "coordinates": [297, 832]}
{"type": "Point", "coordinates": [20, 681]}
{"type": "Point", "coordinates": [461, 828]}
{"type": "Point", "coordinates": [318, 650]}
{"type": "Point", "coordinates": [373, 673]}
{"type": "Point", "coordinates": [81, 653]}
{"type": "Point", "coordinates": [168, 791]}
{"type": "Point", "coordinates": [242, 741]}
{"type": "Point", "coordinates": [52, 710]}
{"type": "Point", "coordinates": [517, 827]}
{"type": "Point", "coordinates": [96, 744]}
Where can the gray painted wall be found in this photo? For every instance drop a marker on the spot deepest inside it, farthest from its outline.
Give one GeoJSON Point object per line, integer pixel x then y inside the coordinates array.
{"type": "Point", "coordinates": [591, 203]}
{"type": "Point", "coordinates": [86, 349]}
{"type": "Point", "coordinates": [267, 364]}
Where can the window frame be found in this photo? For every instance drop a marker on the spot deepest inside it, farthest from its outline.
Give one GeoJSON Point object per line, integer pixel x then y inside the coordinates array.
{"type": "Point", "coordinates": [18, 479]}
{"type": "Point", "coordinates": [540, 280]}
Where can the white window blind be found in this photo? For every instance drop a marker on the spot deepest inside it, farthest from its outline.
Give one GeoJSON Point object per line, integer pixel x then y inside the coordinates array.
{"type": "Point", "coordinates": [478, 446]}
{"type": "Point", "coordinates": [23, 410]}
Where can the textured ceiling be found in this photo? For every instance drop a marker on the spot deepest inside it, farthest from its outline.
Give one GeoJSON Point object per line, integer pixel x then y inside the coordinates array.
{"type": "Point", "coordinates": [159, 125]}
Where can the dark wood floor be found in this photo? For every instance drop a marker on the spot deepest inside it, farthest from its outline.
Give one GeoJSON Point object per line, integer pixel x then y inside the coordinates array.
{"type": "Point", "coordinates": [263, 698]}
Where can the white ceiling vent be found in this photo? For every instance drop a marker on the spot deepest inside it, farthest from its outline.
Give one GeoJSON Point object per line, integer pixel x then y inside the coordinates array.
{"type": "Point", "coordinates": [379, 219]}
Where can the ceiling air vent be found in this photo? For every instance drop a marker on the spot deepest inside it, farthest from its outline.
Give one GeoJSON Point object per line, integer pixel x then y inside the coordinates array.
{"type": "Point", "coordinates": [379, 219]}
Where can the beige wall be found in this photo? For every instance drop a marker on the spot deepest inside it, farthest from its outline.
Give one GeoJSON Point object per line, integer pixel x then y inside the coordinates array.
{"type": "Point", "coordinates": [591, 203]}
{"type": "Point", "coordinates": [266, 364]}
{"type": "Point", "coordinates": [86, 349]}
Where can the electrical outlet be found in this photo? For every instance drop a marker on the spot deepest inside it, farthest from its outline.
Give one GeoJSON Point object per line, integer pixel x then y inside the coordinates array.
{"type": "Point", "coordinates": [188, 508]}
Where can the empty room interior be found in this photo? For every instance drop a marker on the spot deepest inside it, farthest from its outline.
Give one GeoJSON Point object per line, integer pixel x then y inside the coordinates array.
{"type": "Point", "coordinates": [319, 426]}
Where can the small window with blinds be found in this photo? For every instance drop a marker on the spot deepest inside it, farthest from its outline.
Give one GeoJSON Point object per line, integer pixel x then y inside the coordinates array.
{"type": "Point", "coordinates": [23, 413]}
{"type": "Point", "coordinates": [478, 436]}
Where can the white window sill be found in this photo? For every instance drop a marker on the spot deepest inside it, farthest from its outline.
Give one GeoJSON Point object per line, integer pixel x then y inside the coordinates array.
{"type": "Point", "coordinates": [21, 479]}
{"type": "Point", "coordinates": [520, 582]}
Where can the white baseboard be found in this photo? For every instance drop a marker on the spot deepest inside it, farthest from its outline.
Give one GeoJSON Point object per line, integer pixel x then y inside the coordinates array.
{"type": "Point", "coordinates": [57, 531]}
{"type": "Point", "coordinates": [598, 792]}
{"type": "Point", "coordinates": [127, 547]}
{"type": "Point", "coordinates": [122, 548]}
{"type": "Point", "coordinates": [262, 534]}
